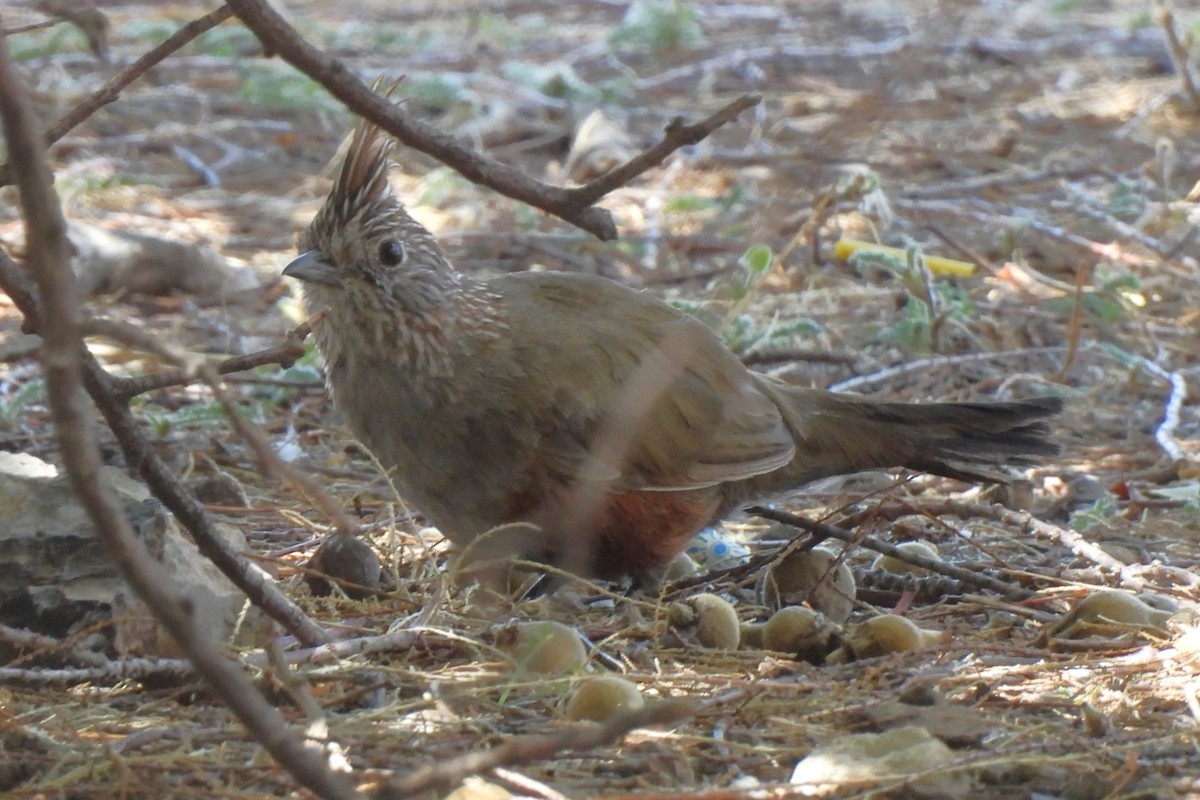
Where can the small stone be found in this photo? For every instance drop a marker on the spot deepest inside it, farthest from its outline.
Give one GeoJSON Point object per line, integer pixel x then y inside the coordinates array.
{"type": "Point", "coordinates": [349, 562]}
{"type": "Point", "coordinates": [683, 566]}
{"type": "Point", "coordinates": [859, 758]}
{"type": "Point", "coordinates": [219, 488]}
{"type": "Point", "coordinates": [57, 578]}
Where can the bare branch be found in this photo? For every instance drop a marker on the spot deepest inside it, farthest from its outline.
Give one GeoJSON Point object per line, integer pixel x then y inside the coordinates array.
{"type": "Point", "coordinates": [571, 205]}
{"type": "Point", "coordinates": [676, 135]}
{"type": "Point", "coordinates": [283, 354]}
{"type": "Point", "coordinates": [1006, 590]}
{"type": "Point", "coordinates": [49, 260]}
{"type": "Point", "coordinates": [270, 461]}
{"type": "Point", "coordinates": [193, 369]}
{"type": "Point", "coordinates": [445, 775]}
{"type": "Point", "coordinates": [1180, 58]}
{"type": "Point", "coordinates": [111, 90]}
{"type": "Point", "coordinates": [162, 482]}
{"type": "Point", "coordinates": [33, 26]}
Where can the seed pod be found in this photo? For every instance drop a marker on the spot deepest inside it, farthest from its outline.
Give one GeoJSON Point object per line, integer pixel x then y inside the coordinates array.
{"type": "Point", "coordinates": [800, 632]}
{"type": "Point", "coordinates": [751, 635]}
{"type": "Point", "coordinates": [711, 619]}
{"type": "Point", "coordinates": [683, 566]}
{"type": "Point", "coordinates": [1107, 611]}
{"type": "Point", "coordinates": [545, 647]}
{"type": "Point", "coordinates": [899, 566]}
{"type": "Point", "coordinates": [887, 633]}
{"type": "Point", "coordinates": [603, 697]}
{"type": "Point", "coordinates": [813, 578]}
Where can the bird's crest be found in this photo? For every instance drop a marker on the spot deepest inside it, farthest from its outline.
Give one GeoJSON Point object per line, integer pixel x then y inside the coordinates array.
{"type": "Point", "coordinates": [363, 180]}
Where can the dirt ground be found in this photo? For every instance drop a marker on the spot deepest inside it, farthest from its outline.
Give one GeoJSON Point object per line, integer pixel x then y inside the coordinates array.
{"type": "Point", "coordinates": [1049, 143]}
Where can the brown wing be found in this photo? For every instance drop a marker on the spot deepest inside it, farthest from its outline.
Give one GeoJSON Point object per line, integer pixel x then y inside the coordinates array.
{"type": "Point", "coordinates": [634, 392]}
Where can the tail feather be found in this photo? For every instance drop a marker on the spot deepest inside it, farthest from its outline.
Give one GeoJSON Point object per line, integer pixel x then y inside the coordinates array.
{"type": "Point", "coordinates": [943, 438]}
{"type": "Point", "coordinates": [838, 434]}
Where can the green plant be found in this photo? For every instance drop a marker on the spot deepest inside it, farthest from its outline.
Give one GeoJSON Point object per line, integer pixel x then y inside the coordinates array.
{"type": "Point", "coordinates": [929, 303]}
{"type": "Point", "coordinates": [376, 39]}
{"type": "Point", "coordinates": [1115, 295]}
{"type": "Point", "coordinates": [202, 415]}
{"type": "Point", "coordinates": [1125, 201]}
{"type": "Point", "coordinates": [47, 42]}
{"type": "Point", "coordinates": [442, 185]}
{"type": "Point", "coordinates": [1097, 513]}
{"type": "Point", "coordinates": [556, 80]}
{"type": "Point", "coordinates": [1064, 6]}
{"type": "Point", "coordinates": [304, 370]}
{"type": "Point", "coordinates": [441, 91]}
{"type": "Point", "coordinates": [25, 396]}
{"type": "Point", "coordinates": [755, 264]}
{"type": "Point", "coordinates": [742, 332]}
{"type": "Point", "coordinates": [90, 184]}
{"type": "Point", "coordinates": [277, 87]}
{"type": "Point", "coordinates": [721, 206]}
{"type": "Point", "coordinates": [1139, 20]}
{"type": "Point", "coordinates": [658, 26]}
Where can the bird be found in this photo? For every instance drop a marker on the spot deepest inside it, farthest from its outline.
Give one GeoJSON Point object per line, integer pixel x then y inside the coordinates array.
{"type": "Point", "coordinates": [575, 421]}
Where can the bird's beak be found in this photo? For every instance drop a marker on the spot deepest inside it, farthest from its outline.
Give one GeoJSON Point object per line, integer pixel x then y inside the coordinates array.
{"type": "Point", "coordinates": [314, 267]}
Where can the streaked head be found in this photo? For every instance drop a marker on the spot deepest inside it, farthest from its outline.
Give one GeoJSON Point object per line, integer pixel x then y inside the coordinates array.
{"type": "Point", "coordinates": [363, 242]}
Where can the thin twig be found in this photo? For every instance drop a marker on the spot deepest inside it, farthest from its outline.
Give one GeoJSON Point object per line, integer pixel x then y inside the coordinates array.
{"type": "Point", "coordinates": [393, 642]}
{"type": "Point", "coordinates": [1006, 590]}
{"type": "Point", "coordinates": [790, 56]}
{"type": "Point", "coordinates": [1023, 521]}
{"type": "Point", "coordinates": [1082, 203]}
{"type": "Point", "coordinates": [1018, 176]}
{"type": "Point", "coordinates": [270, 461]}
{"type": "Point", "coordinates": [676, 135]}
{"type": "Point", "coordinates": [930, 364]}
{"type": "Point", "coordinates": [526, 784]}
{"type": "Point", "coordinates": [28, 640]}
{"type": "Point", "coordinates": [111, 89]}
{"type": "Point", "coordinates": [1023, 217]}
{"type": "Point", "coordinates": [1164, 434]}
{"type": "Point", "coordinates": [49, 259]}
{"type": "Point", "coordinates": [444, 775]}
{"type": "Point", "coordinates": [766, 357]}
{"type": "Point", "coordinates": [284, 354]}
{"type": "Point", "coordinates": [1180, 57]}
{"type": "Point", "coordinates": [1082, 274]}
{"type": "Point", "coordinates": [571, 205]}
{"type": "Point", "coordinates": [163, 484]}
{"type": "Point", "coordinates": [33, 26]}
{"type": "Point", "coordinates": [129, 669]}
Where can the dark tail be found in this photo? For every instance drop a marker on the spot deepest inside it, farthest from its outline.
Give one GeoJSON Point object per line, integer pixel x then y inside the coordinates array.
{"type": "Point", "coordinates": [837, 434]}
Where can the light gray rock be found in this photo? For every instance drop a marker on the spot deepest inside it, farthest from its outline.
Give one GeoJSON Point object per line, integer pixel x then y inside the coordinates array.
{"type": "Point", "coordinates": [56, 576]}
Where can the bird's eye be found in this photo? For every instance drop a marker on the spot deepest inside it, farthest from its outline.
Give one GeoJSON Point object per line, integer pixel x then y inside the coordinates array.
{"type": "Point", "coordinates": [391, 253]}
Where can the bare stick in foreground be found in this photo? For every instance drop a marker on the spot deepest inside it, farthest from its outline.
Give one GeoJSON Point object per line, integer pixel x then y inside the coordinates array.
{"type": "Point", "coordinates": [572, 205]}
{"type": "Point", "coordinates": [49, 260]}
